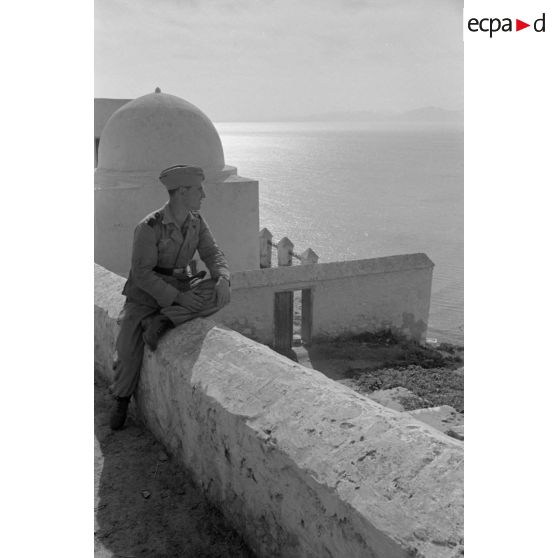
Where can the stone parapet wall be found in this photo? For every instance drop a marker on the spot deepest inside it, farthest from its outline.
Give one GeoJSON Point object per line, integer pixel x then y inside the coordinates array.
{"type": "Point", "coordinates": [348, 297]}
{"type": "Point", "coordinates": [108, 304]}
{"type": "Point", "coordinates": [300, 465]}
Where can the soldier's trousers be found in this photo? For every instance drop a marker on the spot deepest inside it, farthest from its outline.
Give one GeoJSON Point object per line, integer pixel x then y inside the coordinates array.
{"type": "Point", "coordinates": [133, 319]}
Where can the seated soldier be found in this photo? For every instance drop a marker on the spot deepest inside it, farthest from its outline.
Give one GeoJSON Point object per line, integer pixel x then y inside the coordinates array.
{"type": "Point", "coordinates": [160, 293]}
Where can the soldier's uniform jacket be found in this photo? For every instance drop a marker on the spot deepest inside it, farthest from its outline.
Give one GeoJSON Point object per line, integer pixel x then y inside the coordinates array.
{"type": "Point", "coordinates": [159, 242]}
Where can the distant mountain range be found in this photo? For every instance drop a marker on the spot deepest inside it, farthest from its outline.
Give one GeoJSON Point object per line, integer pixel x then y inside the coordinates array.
{"type": "Point", "coordinates": [425, 114]}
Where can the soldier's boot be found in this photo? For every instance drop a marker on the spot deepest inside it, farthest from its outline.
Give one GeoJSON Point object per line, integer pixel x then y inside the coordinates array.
{"type": "Point", "coordinates": [156, 329]}
{"type": "Point", "coordinates": [119, 412]}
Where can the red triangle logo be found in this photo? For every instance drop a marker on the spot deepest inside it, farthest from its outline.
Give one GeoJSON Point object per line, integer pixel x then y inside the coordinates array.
{"type": "Point", "coordinates": [519, 25]}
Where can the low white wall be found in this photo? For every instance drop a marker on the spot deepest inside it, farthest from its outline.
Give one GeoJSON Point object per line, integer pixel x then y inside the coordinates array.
{"type": "Point", "coordinates": [302, 466]}
{"type": "Point", "coordinates": [349, 297]}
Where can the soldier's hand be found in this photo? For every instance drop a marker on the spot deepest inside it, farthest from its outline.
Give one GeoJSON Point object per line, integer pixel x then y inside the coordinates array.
{"type": "Point", "coordinates": [190, 300]}
{"type": "Point", "coordinates": [222, 292]}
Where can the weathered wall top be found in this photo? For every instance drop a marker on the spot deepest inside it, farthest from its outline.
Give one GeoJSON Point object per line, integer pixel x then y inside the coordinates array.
{"type": "Point", "coordinates": [298, 275]}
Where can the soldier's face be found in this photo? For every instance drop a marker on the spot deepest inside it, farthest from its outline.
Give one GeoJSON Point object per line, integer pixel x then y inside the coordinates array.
{"type": "Point", "coordinates": [192, 196]}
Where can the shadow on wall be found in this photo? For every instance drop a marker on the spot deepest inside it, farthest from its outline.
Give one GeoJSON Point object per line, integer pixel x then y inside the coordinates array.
{"type": "Point", "coordinates": [416, 329]}
{"type": "Point", "coordinates": [146, 505]}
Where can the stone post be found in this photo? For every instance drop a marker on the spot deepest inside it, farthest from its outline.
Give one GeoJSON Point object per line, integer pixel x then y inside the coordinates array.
{"type": "Point", "coordinates": [285, 252]}
{"type": "Point", "coordinates": [265, 248]}
{"type": "Point", "coordinates": [309, 257]}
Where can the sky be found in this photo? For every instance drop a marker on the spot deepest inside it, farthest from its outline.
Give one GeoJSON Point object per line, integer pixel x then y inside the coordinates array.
{"type": "Point", "coordinates": [248, 60]}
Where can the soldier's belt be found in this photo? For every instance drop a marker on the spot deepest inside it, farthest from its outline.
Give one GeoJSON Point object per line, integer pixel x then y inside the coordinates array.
{"type": "Point", "coordinates": [171, 271]}
{"type": "Point", "coordinates": [179, 272]}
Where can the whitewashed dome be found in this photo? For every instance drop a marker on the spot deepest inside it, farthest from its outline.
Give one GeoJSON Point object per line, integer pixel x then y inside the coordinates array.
{"type": "Point", "coordinates": [156, 131]}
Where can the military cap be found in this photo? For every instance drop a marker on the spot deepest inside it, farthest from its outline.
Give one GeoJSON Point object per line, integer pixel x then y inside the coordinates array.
{"type": "Point", "coordinates": [181, 175]}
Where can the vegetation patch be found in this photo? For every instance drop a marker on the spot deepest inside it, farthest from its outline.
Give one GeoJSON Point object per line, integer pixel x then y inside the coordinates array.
{"type": "Point", "coordinates": [434, 373]}
{"type": "Point", "coordinates": [436, 386]}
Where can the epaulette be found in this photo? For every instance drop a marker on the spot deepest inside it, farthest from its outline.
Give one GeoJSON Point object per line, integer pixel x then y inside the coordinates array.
{"type": "Point", "coordinates": [152, 220]}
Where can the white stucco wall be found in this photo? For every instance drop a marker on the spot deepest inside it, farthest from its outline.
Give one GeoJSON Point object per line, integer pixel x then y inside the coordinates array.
{"type": "Point", "coordinates": [145, 136]}
{"type": "Point", "coordinates": [237, 198]}
{"type": "Point", "coordinates": [302, 466]}
{"type": "Point", "coordinates": [349, 297]}
{"type": "Point", "coordinates": [103, 110]}
{"type": "Point", "coordinates": [142, 138]}
{"type": "Point", "coordinates": [120, 206]}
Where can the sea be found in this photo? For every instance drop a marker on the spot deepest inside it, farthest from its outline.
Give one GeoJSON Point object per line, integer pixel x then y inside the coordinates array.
{"type": "Point", "coordinates": [356, 190]}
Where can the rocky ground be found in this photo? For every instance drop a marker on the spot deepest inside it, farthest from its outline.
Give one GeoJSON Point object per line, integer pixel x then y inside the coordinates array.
{"type": "Point", "coordinates": [434, 373]}
{"type": "Point", "coordinates": [145, 504]}
{"type": "Point", "coordinates": [400, 374]}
